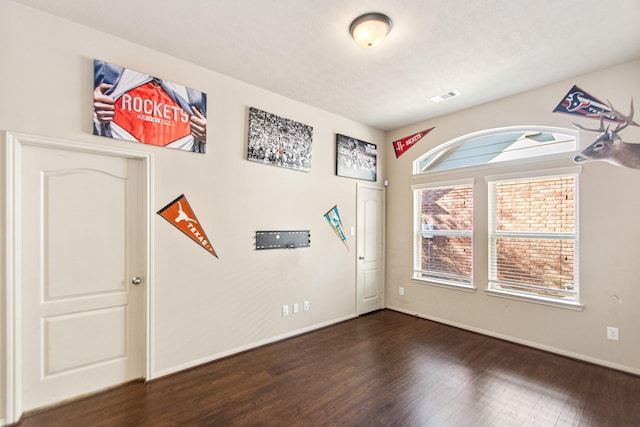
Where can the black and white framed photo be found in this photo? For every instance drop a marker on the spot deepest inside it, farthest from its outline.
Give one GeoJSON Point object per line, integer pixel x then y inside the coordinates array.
{"type": "Point", "coordinates": [355, 158]}
{"type": "Point", "coordinates": [279, 141]}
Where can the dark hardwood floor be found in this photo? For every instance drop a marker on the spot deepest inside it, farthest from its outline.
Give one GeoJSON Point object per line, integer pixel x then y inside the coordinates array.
{"type": "Point", "coordinates": [382, 369]}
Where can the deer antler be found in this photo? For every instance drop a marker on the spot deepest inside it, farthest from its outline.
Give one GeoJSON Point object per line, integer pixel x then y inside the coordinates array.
{"type": "Point", "coordinates": [601, 129]}
{"type": "Point", "coordinates": [626, 119]}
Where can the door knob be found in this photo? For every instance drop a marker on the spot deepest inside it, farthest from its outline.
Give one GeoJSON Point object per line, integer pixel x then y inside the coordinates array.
{"type": "Point", "coordinates": [136, 280]}
{"type": "Point", "coordinates": [361, 258]}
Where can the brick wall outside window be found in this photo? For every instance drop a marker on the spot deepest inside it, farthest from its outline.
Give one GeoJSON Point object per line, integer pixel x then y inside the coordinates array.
{"type": "Point", "coordinates": [447, 209]}
{"type": "Point", "coordinates": [536, 206]}
{"type": "Point", "coordinates": [545, 205]}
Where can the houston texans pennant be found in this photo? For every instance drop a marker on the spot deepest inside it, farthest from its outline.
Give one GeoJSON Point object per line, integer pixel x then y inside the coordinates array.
{"type": "Point", "coordinates": [402, 145]}
{"type": "Point", "coordinates": [579, 102]}
{"type": "Point", "coordinates": [333, 217]}
{"type": "Point", "coordinates": [180, 214]}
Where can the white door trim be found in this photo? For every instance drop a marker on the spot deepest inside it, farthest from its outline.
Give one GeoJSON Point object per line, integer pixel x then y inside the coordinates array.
{"type": "Point", "coordinates": [13, 143]}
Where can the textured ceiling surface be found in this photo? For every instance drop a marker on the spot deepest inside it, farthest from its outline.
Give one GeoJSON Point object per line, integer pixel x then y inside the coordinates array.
{"type": "Point", "coordinates": [302, 49]}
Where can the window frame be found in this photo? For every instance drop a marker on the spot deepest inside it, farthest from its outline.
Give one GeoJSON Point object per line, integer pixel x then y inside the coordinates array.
{"type": "Point", "coordinates": [444, 148]}
{"type": "Point", "coordinates": [418, 274]}
{"type": "Point", "coordinates": [492, 234]}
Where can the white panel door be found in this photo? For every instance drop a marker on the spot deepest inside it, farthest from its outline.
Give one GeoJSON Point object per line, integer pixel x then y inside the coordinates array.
{"type": "Point", "coordinates": [82, 243]}
{"type": "Point", "coordinates": [370, 249]}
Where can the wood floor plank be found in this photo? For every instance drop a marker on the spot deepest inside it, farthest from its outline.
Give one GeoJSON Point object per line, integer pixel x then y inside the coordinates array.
{"type": "Point", "coordinates": [382, 369]}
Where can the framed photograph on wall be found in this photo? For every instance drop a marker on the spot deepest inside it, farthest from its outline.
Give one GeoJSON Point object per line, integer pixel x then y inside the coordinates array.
{"type": "Point", "coordinates": [355, 158]}
{"type": "Point", "coordinates": [142, 108]}
{"type": "Point", "coordinates": [279, 141]}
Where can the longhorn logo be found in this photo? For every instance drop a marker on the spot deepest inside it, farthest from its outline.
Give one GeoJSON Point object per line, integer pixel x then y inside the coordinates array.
{"type": "Point", "coordinates": [183, 216]}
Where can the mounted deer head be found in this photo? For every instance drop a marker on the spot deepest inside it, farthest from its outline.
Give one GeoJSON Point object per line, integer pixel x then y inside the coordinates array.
{"type": "Point", "coordinates": [609, 146]}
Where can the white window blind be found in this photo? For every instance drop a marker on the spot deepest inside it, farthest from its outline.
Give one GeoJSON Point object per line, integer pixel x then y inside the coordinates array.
{"type": "Point", "coordinates": [533, 238]}
{"type": "Point", "coordinates": [443, 234]}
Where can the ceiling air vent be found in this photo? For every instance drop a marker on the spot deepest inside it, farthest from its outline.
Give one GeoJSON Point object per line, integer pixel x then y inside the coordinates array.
{"type": "Point", "coordinates": [445, 96]}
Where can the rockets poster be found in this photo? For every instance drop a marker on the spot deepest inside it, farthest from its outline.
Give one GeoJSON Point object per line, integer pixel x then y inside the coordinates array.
{"type": "Point", "coordinates": [138, 107]}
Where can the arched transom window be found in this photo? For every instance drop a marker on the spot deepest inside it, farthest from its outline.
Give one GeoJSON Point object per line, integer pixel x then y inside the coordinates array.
{"type": "Point", "coordinates": [497, 145]}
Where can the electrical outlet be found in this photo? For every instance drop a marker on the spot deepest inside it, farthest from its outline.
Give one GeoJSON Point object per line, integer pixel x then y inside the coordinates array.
{"type": "Point", "coordinates": [400, 290]}
{"type": "Point", "coordinates": [295, 308]}
{"type": "Point", "coordinates": [285, 310]}
{"type": "Point", "coordinates": [612, 333]}
{"type": "Point", "coordinates": [305, 306]}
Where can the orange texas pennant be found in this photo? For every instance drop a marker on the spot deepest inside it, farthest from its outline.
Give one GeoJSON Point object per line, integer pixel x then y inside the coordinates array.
{"type": "Point", "coordinates": [180, 214]}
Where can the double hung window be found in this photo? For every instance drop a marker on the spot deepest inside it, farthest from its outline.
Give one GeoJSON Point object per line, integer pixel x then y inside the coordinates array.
{"type": "Point", "coordinates": [444, 233]}
{"type": "Point", "coordinates": [533, 237]}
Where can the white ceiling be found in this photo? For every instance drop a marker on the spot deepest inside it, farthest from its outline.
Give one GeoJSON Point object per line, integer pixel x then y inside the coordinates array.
{"type": "Point", "coordinates": [302, 49]}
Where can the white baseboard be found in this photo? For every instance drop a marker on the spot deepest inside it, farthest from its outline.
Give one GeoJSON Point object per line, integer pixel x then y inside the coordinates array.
{"type": "Point", "coordinates": [531, 344]}
{"type": "Point", "coordinates": [213, 357]}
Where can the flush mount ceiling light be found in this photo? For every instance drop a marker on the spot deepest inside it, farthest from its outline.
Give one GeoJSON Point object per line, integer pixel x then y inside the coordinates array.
{"type": "Point", "coordinates": [370, 29]}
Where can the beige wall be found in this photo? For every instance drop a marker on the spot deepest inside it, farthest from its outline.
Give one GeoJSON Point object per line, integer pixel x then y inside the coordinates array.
{"type": "Point", "coordinates": [609, 234]}
{"type": "Point", "coordinates": [203, 307]}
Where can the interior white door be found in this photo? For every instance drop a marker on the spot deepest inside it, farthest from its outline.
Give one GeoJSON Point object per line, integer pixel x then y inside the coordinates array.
{"type": "Point", "coordinates": [82, 236]}
{"type": "Point", "coordinates": [370, 248]}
